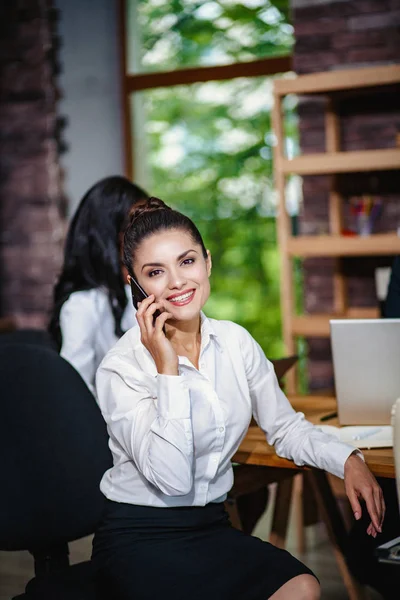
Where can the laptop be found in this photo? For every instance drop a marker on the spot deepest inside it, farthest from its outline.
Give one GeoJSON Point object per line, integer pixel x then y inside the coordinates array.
{"type": "Point", "coordinates": [366, 363]}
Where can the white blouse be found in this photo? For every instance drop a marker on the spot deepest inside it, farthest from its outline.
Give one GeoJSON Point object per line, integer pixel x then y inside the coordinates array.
{"type": "Point", "coordinates": [87, 326]}
{"type": "Point", "coordinates": [173, 437]}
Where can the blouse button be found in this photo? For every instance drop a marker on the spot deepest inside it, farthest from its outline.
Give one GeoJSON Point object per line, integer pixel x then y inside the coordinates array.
{"type": "Point", "coordinates": [221, 429]}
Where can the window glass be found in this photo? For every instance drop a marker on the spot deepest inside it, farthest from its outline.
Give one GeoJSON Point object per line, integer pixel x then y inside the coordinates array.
{"type": "Point", "coordinates": [163, 35]}
{"type": "Point", "coordinates": [206, 149]}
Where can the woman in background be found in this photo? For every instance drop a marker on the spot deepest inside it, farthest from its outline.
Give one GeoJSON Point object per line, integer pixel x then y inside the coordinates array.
{"type": "Point", "coordinates": [91, 309]}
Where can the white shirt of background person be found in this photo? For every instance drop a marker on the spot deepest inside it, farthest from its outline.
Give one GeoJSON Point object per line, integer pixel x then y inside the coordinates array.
{"type": "Point", "coordinates": [88, 330]}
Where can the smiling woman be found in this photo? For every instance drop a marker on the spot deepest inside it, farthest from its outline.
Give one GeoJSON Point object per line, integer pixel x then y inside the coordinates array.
{"type": "Point", "coordinates": [178, 393]}
{"type": "Point", "coordinates": [176, 270]}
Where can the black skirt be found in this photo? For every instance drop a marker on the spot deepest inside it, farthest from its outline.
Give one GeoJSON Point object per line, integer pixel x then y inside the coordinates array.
{"type": "Point", "coordinates": [146, 553]}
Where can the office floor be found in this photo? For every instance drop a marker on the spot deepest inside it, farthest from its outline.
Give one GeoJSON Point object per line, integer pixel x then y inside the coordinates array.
{"type": "Point", "coordinates": [17, 568]}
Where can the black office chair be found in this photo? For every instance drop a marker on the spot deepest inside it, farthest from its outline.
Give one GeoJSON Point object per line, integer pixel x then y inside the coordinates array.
{"type": "Point", "coordinates": [38, 337]}
{"type": "Point", "coordinates": [54, 449]}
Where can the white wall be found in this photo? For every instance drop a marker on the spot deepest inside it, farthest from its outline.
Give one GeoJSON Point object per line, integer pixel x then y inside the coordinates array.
{"type": "Point", "coordinates": [90, 82]}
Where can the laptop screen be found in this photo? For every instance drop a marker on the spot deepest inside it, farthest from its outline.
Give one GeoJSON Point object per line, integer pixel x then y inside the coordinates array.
{"type": "Point", "coordinates": [366, 363]}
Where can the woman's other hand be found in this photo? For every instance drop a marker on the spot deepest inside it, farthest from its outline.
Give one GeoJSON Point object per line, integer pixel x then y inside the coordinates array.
{"type": "Point", "coordinates": [154, 338]}
{"type": "Point", "coordinates": [361, 484]}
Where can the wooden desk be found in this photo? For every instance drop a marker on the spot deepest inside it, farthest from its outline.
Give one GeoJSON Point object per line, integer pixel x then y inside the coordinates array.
{"type": "Point", "coordinates": [254, 450]}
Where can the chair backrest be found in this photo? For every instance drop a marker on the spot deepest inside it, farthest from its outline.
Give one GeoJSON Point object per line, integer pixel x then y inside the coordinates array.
{"type": "Point", "coordinates": [39, 337]}
{"type": "Point", "coordinates": [282, 365]}
{"type": "Point", "coordinates": [53, 447]}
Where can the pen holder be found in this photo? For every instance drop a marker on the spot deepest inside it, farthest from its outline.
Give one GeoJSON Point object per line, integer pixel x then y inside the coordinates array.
{"type": "Point", "coordinates": [363, 224]}
{"type": "Point", "coordinates": [365, 212]}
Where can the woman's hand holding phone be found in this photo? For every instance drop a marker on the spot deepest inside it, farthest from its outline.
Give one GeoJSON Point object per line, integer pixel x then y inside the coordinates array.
{"type": "Point", "coordinates": [154, 338]}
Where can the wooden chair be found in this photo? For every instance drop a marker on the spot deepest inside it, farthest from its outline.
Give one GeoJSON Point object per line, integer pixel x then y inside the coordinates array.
{"type": "Point", "coordinates": [250, 481]}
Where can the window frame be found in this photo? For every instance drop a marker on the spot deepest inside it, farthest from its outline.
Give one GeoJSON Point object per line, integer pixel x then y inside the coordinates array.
{"type": "Point", "coordinates": [131, 83]}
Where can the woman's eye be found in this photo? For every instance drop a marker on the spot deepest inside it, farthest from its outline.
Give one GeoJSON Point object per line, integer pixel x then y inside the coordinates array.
{"type": "Point", "coordinates": [188, 261]}
{"type": "Point", "coordinates": [153, 273]}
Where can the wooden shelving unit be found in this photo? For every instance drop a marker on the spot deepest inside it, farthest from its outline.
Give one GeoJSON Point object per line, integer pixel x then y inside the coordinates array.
{"type": "Point", "coordinates": [333, 162]}
{"type": "Point", "coordinates": [340, 245]}
{"type": "Point", "coordinates": [343, 162]}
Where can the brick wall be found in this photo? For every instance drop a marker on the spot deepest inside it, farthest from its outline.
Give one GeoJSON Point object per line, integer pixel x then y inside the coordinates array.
{"type": "Point", "coordinates": [338, 34]}
{"type": "Point", "coordinates": [31, 222]}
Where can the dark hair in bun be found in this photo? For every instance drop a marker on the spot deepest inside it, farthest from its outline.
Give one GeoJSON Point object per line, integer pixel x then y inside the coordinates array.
{"type": "Point", "coordinates": [151, 217]}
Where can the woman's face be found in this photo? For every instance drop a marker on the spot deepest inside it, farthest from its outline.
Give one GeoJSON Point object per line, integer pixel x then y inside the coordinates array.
{"type": "Point", "coordinates": [170, 265]}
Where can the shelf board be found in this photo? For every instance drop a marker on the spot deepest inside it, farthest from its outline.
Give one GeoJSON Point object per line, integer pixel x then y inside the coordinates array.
{"type": "Point", "coordinates": [338, 245]}
{"type": "Point", "coordinates": [333, 81]}
{"type": "Point", "coordinates": [317, 325]}
{"type": "Point", "coordinates": [343, 162]}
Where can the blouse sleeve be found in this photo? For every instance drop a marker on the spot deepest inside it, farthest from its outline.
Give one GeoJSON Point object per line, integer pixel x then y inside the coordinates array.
{"type": "Point", "coordinates": [79, 321]}
{"type": "Point", "coordinates": [154, 430]}
{"type": "Point", "coordinates": [288, 431]}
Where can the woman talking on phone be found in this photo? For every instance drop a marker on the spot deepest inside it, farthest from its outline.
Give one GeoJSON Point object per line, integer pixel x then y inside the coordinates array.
{"type": "Point", "coordinates": [178, 393]}
{"type": "Point", "coordinates": [91, 309]}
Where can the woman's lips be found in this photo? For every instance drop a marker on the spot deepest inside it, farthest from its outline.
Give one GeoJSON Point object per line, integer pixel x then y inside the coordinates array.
{"type": "Point", "coordinates": [182, 299]}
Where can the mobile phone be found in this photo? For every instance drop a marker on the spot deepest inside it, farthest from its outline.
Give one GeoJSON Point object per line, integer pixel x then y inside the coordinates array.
{"type": "Point", "coordinates": [138, 294]}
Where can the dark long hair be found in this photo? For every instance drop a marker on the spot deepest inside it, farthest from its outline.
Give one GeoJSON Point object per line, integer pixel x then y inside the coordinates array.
{"type": "Point", "coordinates": [92, 250]}
{"type": "Point", "coordinates": [151, 217]}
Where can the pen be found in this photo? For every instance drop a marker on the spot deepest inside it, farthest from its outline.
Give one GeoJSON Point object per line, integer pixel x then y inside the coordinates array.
{"type": "Point", "coordinates": [329, 416]}
{"type": "Point", "coordinates": [367, 434]}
